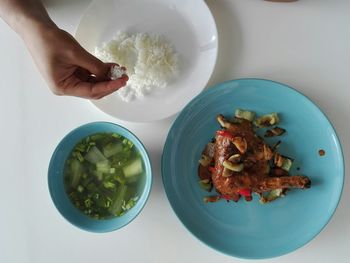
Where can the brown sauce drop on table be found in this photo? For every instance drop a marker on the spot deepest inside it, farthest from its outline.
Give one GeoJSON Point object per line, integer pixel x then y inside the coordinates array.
{"type": "Point", "coordinates": [321, 152]}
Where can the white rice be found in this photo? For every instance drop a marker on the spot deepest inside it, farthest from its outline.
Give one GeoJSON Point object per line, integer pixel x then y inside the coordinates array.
{"type": "Point", "coordinates": [117, 72]}
{"type": "Point", "coordinates": [150, 60]}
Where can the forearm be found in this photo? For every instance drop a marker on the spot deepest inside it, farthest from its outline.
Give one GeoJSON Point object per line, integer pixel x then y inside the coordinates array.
{"type": "Point", "coordinates": [24, 16]}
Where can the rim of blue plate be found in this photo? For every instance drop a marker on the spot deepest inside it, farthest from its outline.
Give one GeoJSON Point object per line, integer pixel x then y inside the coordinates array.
{"type": "Point", "coordinates": [146, 189]}
{"type": "Point", "coordinates": [222, 85]}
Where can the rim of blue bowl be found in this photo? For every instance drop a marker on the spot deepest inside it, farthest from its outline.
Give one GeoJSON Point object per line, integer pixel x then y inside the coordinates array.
{"type": "Point", "coordinates": [146, 190]}
{"type": "Point", "coordinates": [221, 84]}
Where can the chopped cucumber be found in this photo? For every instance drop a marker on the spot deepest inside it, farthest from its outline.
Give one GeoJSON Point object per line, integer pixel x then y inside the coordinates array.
{"type": "Point", "coordinates": [133, 169]}
{"type": "Point", "coordinates": [103, 167]}
{"type": "Point", "coordinates": [116, 207]}
{"type": "Point", "coordinates": [271, 196]}
{"type": "Point", "coordinates": [76, 170]}
{"type": "Point", "coordinates": [287, 164]}
{"type": "Point", "coordinates": [245, 114]}
{"type": "Point", "coordinates": [112, 149]}
{"type": "Point", "coordinates": [283, 162]}
{"type": "Point", "coordinates": [267, 120]}
{"type": "Point", "coordinates": [94, 155]}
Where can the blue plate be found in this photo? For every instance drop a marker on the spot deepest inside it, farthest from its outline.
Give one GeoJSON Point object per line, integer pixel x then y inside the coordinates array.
{"type": "Point", "coordinates": [250, 229]}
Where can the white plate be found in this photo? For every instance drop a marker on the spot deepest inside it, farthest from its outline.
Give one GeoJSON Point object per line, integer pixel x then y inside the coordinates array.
{"type": "Point", "coordinates": [189, 25]}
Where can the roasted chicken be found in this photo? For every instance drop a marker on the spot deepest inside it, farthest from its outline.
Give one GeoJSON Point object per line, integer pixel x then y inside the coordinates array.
{"type": "Point", "coordinates": [239, 163]}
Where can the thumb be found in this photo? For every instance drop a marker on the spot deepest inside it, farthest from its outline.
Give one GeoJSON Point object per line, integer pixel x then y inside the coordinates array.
{"type": "Point", "coordinates": [93, 65]}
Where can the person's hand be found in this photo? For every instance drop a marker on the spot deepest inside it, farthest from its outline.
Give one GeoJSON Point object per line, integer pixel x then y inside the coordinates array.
{"type": "Point", "coordinates": [67, 67]}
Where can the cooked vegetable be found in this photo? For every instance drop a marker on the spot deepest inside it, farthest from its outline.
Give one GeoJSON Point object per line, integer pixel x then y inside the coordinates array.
{"type": "Point", "coordinates": [276, 131]}
{"type": "Point", "coordinates": [220, 120]}
{"type": "Point", "coordinates": [205, 184]}
{"type": "Point", "coordinates": [117, 203]}
{"type": "Point", "coordinates": [76, 170]}
{"type": "Point", "coordinates": [211, 199]}
{"type": "Point", "coordinates": [102, 175]}
{"type": "Point", "coordinates": [268, 153]}
{"type": "Point", "coordinates": [227, 172]}
{"type": "Point", "coordinates": [271, 196]}
{"type": "Point", "coordinates": [133, 169]}
{"type": "Point", "coordinates": [235, 167]}
{"type": "Point", "coordinates": [240, 143]}
{"type": "Point", "coordinates": [283, 162]}
{"type": "Point", "coordinates": [245, 114]}
{"type": "Point", "coordinates": [267, 120]}
{"type": "Point", "coordinates": [236, 158]}
{"type": "Point", "coordinates": [94, 155]}
{"type": "Point", "coordinates": [287, 164]}
{"type": "Point", "coordinates": [205, 160]}
{"type": "Point", "coordinates": [103, 167]}
{"type": "Point", "coordinates": [112, 149]}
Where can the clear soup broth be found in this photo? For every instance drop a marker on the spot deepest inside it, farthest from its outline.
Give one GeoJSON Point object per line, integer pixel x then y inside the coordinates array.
{"type": "Point", "coordinates": [104, 175]}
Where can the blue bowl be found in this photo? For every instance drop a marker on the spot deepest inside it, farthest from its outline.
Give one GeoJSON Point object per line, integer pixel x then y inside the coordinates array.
{"type": "Point", "coordinates": [56, 185]}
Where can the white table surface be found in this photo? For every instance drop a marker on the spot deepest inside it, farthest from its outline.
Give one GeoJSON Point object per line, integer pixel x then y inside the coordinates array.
{"type": "Point", "coordinates": [304, 44]}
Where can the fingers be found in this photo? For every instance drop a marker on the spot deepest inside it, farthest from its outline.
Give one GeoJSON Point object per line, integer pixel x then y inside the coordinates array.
{"type": "Point", "coordinates": [111, 65]}
{"type": "Point", "coordinates": [91, 64]}
{"type": "Point", "coordinates": [83, 74]}
{"type": "Point", "coordinates": [81, 58]}
{"type": "Point", "coordinates": [95, 66]}
{"type": "Point", "coordinates": [95, 90]}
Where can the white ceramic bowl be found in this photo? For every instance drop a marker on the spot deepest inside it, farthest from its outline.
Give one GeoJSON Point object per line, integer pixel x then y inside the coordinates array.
{"type": "Point", "coordinates": [189, 25]}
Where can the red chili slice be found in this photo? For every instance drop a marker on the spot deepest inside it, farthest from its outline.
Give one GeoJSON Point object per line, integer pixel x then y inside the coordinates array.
{"type": "Point", "coordinates": [225, 134]}
{"type": "Point", "coordinates": [245, 192]}
{"type": "Point", "coordinates": [212, 169]}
